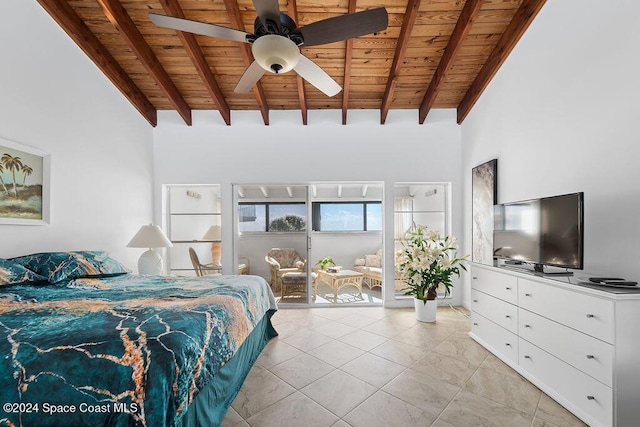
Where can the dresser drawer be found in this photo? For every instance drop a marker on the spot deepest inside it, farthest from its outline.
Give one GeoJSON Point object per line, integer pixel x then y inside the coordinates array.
{"type": "Point", "coordinates": [590, 399]}
{"type": "Point", "coordinates": [588, 354]}
{"type": "Point", "coordinates": [499, 285]}
{"type": "Point", "coordinates": [496, 310]}
{"type": "Point", "coordinates": [503, 343]}
{"type": "Point", "coordinates": [591, 315]}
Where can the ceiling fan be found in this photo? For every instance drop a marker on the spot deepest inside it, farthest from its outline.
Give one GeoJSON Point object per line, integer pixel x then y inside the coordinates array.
{"type": "Point", "coordinates": [276, 40]}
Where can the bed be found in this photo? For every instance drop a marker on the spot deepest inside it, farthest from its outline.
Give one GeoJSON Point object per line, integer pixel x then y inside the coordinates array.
{"type": "Point", "coordinates": [85, 342]}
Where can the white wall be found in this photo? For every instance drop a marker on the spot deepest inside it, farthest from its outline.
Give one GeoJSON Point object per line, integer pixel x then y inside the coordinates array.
{"type": "Point", "coordinates": [561, 116]}
{"type": "Point", "coordinates": [248, 152]}
{"type": "Point", "coordinates": [53, 98]}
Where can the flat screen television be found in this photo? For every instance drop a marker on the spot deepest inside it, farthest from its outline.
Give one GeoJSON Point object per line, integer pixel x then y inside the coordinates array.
{"type": "Point", "coordinates": [544, 232]}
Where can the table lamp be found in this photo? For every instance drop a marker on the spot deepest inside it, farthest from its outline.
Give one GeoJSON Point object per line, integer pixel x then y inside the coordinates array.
{"type": "Point", "coordinates": [214, 233]}
{"type": "Point", "coordinates": [150, 236]}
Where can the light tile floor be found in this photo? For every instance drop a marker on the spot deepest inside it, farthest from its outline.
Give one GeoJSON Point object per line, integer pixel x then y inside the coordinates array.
{"type": "Point", "coordinates": [371, 366]}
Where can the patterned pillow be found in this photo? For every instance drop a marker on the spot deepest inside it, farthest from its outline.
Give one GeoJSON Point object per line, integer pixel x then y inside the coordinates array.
{"type": "Point", "coordinates": [61, 266]}
{"type": "Point", "coordinates": [372, 261]}
{"type": "Point", "coordinates": [15, 274]}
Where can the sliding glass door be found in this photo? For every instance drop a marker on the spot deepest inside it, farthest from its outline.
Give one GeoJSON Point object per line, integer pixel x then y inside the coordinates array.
{"type": "Point", "coordinates": [347, 224]}
{"type": "Point", "coordinates": [287, 230]}
{"type": "Point", "coordinates": [272, 231]}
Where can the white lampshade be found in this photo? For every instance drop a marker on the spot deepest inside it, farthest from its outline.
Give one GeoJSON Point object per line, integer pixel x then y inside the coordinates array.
{"type": "Point", "coordinates": [213, 233]}
{"type": "Point", "coordinates": [276, 54]}
{"type": "Point", "coordinates": [150, 236]}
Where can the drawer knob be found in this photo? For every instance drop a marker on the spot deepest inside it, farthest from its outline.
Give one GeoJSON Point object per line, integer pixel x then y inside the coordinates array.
{"type": "Point", "coordinates": [475, 277]}
{"type": "Point", "coordinates": [527, 357]}
{"type": "Point", "coordinates": [527, 295]}
{"type": "Point", "coordinates": [507, 344]}
{"type": "Point", "coordinates": [475, 300]}
{"type": "Point", "coordinates": [591, 398]}
{"type": "Point", "coordinates": [475, 324]}
{"type": "Point", "coordinates": [527, 326]}
{"type": "Point", "coordinates": [508, 288]}
{"type": "Point", "coordinates": [507, 316]}
{"type": "Point", "coordinates": [590, 356]}
{"type": "Point", "coordinates": [590, 316]}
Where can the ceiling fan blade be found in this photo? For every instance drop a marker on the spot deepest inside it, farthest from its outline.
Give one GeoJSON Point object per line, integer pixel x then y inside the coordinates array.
{"type": "Point", "coordinates": [344, 27]}
{"type": "Point", "coordinates": [315, 75]}
{"type": "Point", "coordinates": [268, 10]}
{"type": "Point", "coordinates": [251, 75]}
{"type": "Point", "coordinates": [197, 27]}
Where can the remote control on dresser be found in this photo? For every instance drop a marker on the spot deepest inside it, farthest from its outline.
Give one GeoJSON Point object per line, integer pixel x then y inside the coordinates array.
{"type": "Point", "coordinates": [619, 282]}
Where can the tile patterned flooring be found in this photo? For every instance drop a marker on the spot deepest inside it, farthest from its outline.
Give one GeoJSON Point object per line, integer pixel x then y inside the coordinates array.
{"type": "Point", "coordinates": [371, 366]}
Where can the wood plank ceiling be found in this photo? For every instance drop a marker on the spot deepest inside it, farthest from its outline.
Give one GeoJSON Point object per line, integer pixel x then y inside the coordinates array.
{"type": "Point", "coordinates": [433, 54]}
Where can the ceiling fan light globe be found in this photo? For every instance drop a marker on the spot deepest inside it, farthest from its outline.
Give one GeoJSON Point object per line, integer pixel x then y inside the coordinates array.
{"type": "Point", "coordinates": [276, 54]}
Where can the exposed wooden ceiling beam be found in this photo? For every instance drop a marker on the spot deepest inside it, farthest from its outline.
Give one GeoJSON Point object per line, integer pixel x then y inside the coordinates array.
{"type": "Point", "coordinates": [401, 47]}
{"type": "Point", "coordinates": [120, 19]}
{"type": "Point", "coordinates": [463, 26]}
{"type": "Point", "coordinates": [519, 24]}
{"type": "Point", "coordinates": [236, 21]}
{"type": "Point", "coordinates": [172, 7]}
{"type": "Point", "coordinates": [292, 11]}
{"type": "Point", "coordinates": [302, 96]}
{"type": "Point", "coordinates": [71, 23]}
{"type": "Point", "coordinates": [348, 53]}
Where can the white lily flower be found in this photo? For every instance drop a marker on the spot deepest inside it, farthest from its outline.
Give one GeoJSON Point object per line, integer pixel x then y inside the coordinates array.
{"type": "Point", "coordinates": [427, 260]}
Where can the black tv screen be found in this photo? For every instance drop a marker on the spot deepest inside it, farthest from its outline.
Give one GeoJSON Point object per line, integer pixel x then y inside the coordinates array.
{"type": "Point", "coordinates": [545, 231]}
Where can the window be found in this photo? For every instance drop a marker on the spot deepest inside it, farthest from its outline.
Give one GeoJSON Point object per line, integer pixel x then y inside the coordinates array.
{"type": "Point", "coordinates": [272, 217]}
{"type": "Point", "coordinates": [423, 204]}
{"type": "Point", "coordinates": [347, 216]}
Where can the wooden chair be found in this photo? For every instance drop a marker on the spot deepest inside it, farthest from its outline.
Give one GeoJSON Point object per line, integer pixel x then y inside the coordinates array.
{"type": "Point", "coordinates": [202, 269]}
{"type": "Point", "coordinates": [244, 265]}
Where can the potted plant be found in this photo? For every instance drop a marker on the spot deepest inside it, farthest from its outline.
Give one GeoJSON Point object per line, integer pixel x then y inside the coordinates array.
{"type": "Point", "coordinates": [425, 262]}
{"type": "Point", "coordinates": [326, 261]}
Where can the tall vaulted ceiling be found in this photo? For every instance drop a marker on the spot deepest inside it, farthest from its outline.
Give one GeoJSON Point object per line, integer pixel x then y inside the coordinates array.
{"type": "Point", "coordinates": [433, 54]}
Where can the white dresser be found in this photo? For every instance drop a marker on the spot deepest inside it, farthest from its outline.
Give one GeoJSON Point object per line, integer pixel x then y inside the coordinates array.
{"type": "Point", "coordinates": [579, 344]}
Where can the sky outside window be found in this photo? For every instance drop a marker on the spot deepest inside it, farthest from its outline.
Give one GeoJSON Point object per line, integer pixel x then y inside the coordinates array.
{"type": "Point", "coordinates": [350, 216]}
{"type": "Point", "coordinates": [374, 216]}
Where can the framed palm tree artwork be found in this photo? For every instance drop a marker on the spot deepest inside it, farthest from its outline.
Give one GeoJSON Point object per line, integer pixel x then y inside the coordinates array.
{"type": "Point", "coordinates": [24, 184]}
{"type": "Point", "coordinates": [484, 188]}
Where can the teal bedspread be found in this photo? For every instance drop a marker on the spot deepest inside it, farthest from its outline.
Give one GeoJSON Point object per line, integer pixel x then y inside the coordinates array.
{"type": "Point", "coordinates": [128, 350]}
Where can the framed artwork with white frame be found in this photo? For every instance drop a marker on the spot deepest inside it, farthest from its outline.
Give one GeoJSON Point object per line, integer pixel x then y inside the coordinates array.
{"type": "Point", "coordinates": [25, 174]}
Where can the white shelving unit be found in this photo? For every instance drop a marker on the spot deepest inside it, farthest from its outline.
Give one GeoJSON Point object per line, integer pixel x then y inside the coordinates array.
{"type": "Point", "coordinates": [191, 210]}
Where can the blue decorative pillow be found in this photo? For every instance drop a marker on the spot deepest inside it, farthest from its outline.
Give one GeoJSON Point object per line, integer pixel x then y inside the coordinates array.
{"type": "Point", "coordinates": [61, 266]}
{"type": "Point", "coordinates": [12, 273]}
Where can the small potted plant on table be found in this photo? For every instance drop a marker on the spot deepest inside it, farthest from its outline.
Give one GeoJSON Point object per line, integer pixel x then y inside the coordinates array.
{"type": "Point", "coordinates": [324, 262]}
